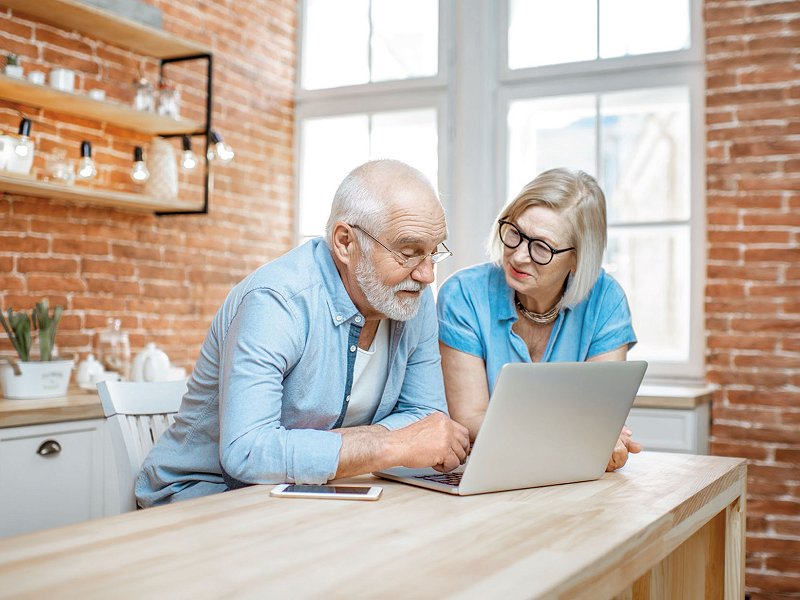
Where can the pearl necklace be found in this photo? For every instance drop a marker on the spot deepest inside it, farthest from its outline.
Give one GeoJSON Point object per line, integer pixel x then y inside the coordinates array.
{"type": "Point", "coordinates": [540, 318]}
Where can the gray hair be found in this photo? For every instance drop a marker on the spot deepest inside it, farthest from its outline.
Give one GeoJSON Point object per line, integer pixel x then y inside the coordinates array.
{"type": "Point", "coordinates": [359, 199]}
{"type": "Point", "coordinates": [578, 198]}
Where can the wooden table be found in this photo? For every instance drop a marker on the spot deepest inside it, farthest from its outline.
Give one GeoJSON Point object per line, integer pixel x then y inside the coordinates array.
{"type": "Point", "coordinates": [665, 526]}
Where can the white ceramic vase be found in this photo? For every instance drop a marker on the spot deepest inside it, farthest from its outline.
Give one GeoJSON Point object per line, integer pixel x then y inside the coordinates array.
{"type": "Point", "coordinates": [163, 167]}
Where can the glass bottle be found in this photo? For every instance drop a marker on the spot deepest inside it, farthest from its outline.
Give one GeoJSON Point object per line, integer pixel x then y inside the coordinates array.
{"type": "Point", "coordinates": [114, 349]}
{"type": "Point", "coordinates": [145, 96]}
{"type": "Point", "coordinates": [168, 101]}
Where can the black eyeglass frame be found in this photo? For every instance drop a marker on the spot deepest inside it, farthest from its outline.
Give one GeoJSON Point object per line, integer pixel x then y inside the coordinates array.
{"type": "Point", "coordinates": [408, 262]}
{"type": "Point", "coordinates": [530, 240]}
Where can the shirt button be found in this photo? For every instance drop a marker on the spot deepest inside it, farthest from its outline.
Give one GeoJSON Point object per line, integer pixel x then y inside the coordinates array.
{"type": "Point", "coordinates": [358, 319]}
{"type": "Point", "coordinates": [352, 348]}
{"type": "Point", "coordinates": [338, 317]}
{"type": "Point", "coordinates": [347, 399]}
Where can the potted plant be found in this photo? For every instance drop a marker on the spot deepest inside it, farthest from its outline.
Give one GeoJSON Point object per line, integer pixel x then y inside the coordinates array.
{"type": "Point", "coordinates": [13, 68]}
{"type": "Point", "coordinates": [26, 378]}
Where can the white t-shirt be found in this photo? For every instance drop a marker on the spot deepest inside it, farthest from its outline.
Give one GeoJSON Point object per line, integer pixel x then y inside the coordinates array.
{"type": "Point", "coordinates": [369, 379]}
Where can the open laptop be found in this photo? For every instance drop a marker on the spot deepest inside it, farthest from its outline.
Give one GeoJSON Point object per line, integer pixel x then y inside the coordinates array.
{"type": "Point", "coordinates": [547, 423]}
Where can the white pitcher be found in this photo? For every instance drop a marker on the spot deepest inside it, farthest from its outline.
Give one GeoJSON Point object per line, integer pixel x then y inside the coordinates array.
{"type": "Point", "coordinates": [151, 364]}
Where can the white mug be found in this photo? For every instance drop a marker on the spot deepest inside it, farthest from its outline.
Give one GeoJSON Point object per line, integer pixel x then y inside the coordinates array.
{"type": "Point", "coordinates": [36, 77]}
{"type": "Point", "coordinates": [62, 79]}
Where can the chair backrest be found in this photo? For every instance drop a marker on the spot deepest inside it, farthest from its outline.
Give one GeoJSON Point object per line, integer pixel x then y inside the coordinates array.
{"type": "Point", "coordinates": [137, 414]}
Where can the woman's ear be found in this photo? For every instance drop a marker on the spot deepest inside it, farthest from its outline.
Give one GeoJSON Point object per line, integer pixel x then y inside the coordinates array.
{"type": "Point", "coordinates": [342, 242]}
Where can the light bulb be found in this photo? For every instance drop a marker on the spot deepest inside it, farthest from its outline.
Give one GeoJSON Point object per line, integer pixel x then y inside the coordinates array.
{"type": "Point", "coordinates": [139, 172]}
{"type": "Point", "coordinates": [188, 158]}
{"type": "Point", "coordinates": [86, 166]}
{"type": "Point", "coordinates": [24, 144]}
{"type": "Point", "coordinates": [218, 149]}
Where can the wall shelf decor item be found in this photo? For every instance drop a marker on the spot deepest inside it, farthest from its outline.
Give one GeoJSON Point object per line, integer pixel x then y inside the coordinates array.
{"type": "Point", "coordinates": [142, 39]}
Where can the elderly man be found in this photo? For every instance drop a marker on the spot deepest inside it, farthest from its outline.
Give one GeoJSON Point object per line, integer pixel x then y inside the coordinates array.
{"type": "Point", "coordinates": [323, 363]}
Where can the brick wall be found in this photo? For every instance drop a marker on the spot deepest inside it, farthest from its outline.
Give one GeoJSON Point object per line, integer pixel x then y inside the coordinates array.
{"type": "Point", "coordinates": [753, 290]}
{"type": "Point", "coordinates": [166, 276]}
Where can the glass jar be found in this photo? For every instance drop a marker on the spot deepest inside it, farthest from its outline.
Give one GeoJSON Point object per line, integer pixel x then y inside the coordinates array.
{"type": "Point", "coordinates": [168, 101]}
{"type": "Point", "coordinates": [145, 96]}
{"type": "Point", "coordinates": [114, 349]}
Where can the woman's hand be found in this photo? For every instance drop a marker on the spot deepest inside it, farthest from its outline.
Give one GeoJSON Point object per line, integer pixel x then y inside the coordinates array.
{"type": "Point", "coordinates": [625, 446]}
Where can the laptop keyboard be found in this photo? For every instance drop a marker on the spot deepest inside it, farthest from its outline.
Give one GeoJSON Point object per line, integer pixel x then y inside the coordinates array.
{"type": "Point", "coordinates": [445, 478]}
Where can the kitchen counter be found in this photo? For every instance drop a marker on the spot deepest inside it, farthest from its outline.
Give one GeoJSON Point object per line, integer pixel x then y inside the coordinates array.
{"type": "Point", "coordinates": [77, 405]}
{"type": "Point", "coordinates": [664, 526]}
{"type": "Point", "coordinates": [81, 404]}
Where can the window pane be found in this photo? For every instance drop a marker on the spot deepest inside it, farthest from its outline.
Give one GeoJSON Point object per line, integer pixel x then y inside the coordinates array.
{"type": "Point", "coordinates": [330, 57]}
{"type": "Point", "coordinates": [405, 39]}
{"type": "Point", "coordinates": [548, 133]}
{"type": "Point", "coordinates": [629, 27]}
{"type": "Point", "coordinates": [410, 136]}
{"type": "Point", "coordinates": [331, 148]}
{"type": "Point", "coordinates": [645, 150]}
{"type": "Point", "coordinates": [547, 33]}
{"type": "Point", "coordinates": [658, 297]}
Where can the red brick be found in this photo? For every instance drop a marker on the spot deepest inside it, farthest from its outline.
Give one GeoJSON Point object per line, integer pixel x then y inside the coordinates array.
{"type": "Point", "coordinates": [762, 434]}
{"type": "Point", "coordinates": [785, 527]}
{"type": "Point", "coordinates": [44, 265]}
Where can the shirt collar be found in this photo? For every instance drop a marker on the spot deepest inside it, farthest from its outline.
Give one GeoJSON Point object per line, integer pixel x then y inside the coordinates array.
{"type": "Point", "coordinates": [340, 305]}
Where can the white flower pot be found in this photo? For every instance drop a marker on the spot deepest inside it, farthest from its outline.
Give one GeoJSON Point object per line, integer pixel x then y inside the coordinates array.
{"type": "Point", "coordinates": [15, 71]}
{"type": "Point", "coordinates": [37, 380]}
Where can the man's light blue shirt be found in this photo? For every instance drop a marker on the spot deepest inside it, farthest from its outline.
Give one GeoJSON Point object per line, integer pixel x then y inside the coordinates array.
{"type": "Point", "coordinates": [274, 377]}
{"type": "Point", "coordinates": [476, 312]}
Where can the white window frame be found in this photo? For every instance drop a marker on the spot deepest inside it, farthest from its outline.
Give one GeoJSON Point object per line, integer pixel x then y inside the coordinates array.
{"type": "Point", "coordinates": [383, 96]}
{"type": "Point", "coordinates": [472, 91]}
{"type": "Point", "coordinates": [664, 69]}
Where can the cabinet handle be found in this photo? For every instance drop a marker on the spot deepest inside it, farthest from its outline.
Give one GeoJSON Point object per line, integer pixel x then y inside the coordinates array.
{"type": "Point", "coordinates": [49, 447]}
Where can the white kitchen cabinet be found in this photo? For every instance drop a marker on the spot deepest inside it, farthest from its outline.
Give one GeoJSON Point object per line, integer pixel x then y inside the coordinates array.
{"type": "Point", "coordinates": [50, 475]}
{"type": "Point", "coordinates": [670, 419]}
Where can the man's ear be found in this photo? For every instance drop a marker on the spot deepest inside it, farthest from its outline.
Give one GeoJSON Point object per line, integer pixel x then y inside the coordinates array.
{"type": "Point", "coordinates": [342, 242]}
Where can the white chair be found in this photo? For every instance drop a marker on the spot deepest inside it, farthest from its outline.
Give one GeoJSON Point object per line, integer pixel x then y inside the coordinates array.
{"type": "Point", "coordinates": [137, 414]}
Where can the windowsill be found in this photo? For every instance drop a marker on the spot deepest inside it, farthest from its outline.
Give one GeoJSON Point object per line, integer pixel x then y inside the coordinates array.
{"type": "Point", "coordinates": [673, 396]}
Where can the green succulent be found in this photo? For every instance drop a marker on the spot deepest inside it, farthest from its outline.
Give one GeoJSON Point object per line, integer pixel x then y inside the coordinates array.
{"type": "Point", "coordinates": [12, 59]}
{"type": "Point", "coordinates": [18, 328]}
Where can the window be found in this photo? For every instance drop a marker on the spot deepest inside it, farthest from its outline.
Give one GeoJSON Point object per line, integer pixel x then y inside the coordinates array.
{"type": "Point", "coordinates": [370, 87]}
{"type": "Point", "coordinates": [332, 146]}
{"type": "Point", "coordinates": [611, 87]}
{"type": "Point", "coordinates": [483, 96]}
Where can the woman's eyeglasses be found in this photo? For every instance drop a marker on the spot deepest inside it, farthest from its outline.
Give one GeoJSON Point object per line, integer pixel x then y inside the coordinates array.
{"type": "Point", "coordinates": [540, 251]}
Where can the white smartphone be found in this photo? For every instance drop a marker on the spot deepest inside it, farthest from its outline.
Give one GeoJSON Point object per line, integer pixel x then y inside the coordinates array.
{"type": "Point", "coordinates": [336, 492]}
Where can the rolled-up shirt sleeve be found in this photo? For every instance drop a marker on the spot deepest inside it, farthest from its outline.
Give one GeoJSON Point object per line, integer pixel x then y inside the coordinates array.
{"type": "Point", "coordinates": [422, 392]}
{"type": "Point", "coordinates": [257, 353]}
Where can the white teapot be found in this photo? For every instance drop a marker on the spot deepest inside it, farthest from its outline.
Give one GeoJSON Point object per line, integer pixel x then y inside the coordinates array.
{"type": "Point", "coordinates": [151, 364]}
{"type": "Point", "coordinates": [89, 371]}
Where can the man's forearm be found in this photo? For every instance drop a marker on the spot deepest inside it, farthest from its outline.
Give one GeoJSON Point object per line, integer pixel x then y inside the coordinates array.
{"type": "Point", "coordinates": [366, 449]}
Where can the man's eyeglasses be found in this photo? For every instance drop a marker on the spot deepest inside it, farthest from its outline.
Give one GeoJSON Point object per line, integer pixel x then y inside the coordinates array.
{"type": "Point", "coordinates": [540, 251]}
{"type": "Point", "coordinates": [409, 262]}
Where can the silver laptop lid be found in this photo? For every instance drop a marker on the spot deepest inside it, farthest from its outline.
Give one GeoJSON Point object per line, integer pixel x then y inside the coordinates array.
{"type": "Point", "coordinates": [550, 423]}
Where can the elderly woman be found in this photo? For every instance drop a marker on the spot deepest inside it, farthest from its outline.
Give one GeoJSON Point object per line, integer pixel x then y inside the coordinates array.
{"type": "Point", "coordinates": [544, 297]}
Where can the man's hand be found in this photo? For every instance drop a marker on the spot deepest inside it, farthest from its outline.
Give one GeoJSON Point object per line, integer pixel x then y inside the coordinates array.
{"type": "Point", "coordinates": [435, 441]}
{"type": "Point", "coordinates": [625, 445]}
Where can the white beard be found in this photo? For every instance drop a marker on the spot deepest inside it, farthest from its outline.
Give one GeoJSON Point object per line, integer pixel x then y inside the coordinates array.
{"type": "Point", "coordinates": [383, 298]}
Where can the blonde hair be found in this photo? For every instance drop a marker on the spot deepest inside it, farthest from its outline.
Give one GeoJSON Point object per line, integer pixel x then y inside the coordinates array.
{"type": "Point", "coordinates": [576, 196]}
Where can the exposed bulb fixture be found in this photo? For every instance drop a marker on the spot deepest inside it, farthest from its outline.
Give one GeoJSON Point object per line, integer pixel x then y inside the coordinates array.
{"type": "Point", "coordinates": [139, 172]}
{"type": "Point", "coordinates": [86, 166]}
{"type": "Point", "coordinates": [188, 158]}
{"type": "Point", "coordinates": [218, 149]}
{"type": "Point", "coordinates": [24, 144]}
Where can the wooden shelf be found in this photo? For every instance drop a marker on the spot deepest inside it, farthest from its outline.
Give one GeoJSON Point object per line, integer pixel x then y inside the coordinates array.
{"type": "Point", "coordinates": [79, 194]}
{"type": "Point", "coordinates": [106, 26]}
{"type": "Point", "coordinates": [42, 96]}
